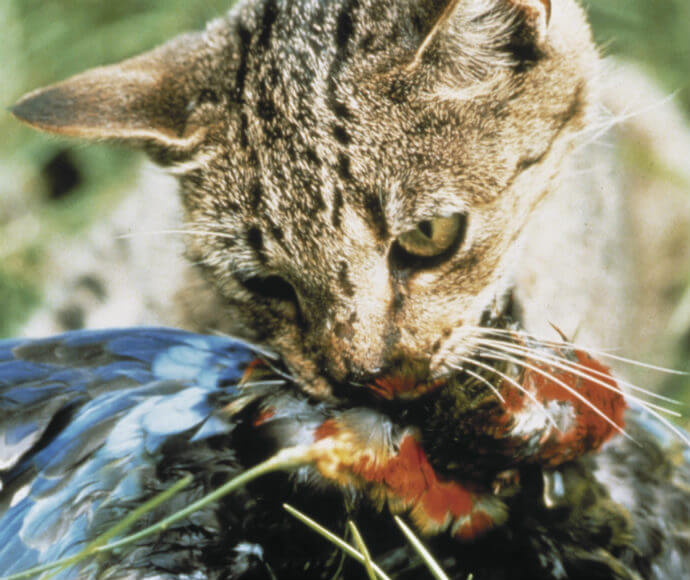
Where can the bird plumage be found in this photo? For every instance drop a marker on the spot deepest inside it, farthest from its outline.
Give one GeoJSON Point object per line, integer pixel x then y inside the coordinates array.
{"type": "Point", "coordinates": [94, 423]}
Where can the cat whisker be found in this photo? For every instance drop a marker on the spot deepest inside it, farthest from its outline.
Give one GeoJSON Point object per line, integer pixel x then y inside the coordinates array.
{"type": "Point", "coordinates": [510, 380]}
{"type": "Point", "coordinates": [285, 375]}
{"type": "Point", "coordinates": [578, 369]}
{"type": "Point", "coordinates": [199, 233]}
{"type": "Point", "coordinates": [651, 408]}
{"type": "Point", "coordinates": [589, 350]}
{"type": "Point", "coordinates": [521, 333]}
{"type": "Point", "coordinates": [487, 383]}
{"type": "Point", "coordinates": [505, 357]}
{"type": "Point", "coordinates": [670, 426]}
{"type": "Point", "coordinates": [257, 384]}
{"type": "Point", "coordinates": [259, 349]}
{"type": "Point", "coordinates": [608, 121]}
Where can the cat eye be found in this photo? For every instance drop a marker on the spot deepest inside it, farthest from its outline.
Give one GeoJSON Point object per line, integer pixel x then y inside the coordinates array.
{"type": "Point", "coordinates": [273, 287]}
{"type": "Point", "coordinates": [279, 289]}
{"type": "Point", "coordinates": [433, 238]}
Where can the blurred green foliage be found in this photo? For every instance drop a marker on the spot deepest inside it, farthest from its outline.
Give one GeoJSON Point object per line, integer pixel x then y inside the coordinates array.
{"type": "Point", "coordinates": [44, 42]}
{"type": "Point", "coordinates": [47, 41]}
{"type": "Point", "coordinates": [654, 34]}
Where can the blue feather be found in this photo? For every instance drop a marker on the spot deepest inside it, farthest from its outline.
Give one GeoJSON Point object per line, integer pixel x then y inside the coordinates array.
{"type": "Point", "coordinates": [122, 394]}
{"type": "Point", "coordinates": [18, 371]}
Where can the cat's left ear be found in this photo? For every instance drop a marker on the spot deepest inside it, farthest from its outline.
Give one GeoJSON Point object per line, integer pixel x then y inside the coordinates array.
{"type": "Point", "coordinates": [530, 19]}
{"type": "Point", "coordinates": [149, 100]}
{"type": "Point", "coordinates": [536, 15]}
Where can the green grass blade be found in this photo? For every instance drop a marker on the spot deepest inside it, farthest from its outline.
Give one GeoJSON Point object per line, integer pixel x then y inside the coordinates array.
{"type": "Point", "coordinates": [92, 548]}
{"type": "Point", "coordinates": [127, 522]}
{"type": "Point", "coordinates": [331, 537]}
{"type": "Point", "coordinates": [431, 563]}
{"type": "Point", "coordinates": [359, 542]}
{"type": "Point", "coordinates": [284, 460]}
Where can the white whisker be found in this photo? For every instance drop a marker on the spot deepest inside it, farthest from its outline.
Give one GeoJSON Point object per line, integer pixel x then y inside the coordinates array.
{"type": "Point", "coordinates": [520, 333]}
{"type": "Point", "coordinates": [512, 382]}
{"type": "Point", "coordinates": [637, 363]}
{"type": "Point", "coordinates": [262, 350]}
{"type": "Point", "coordinates": [200, 233]}
{"type": "Point", "coordinates": [586, 349]}
{"type": "Point", "coordinates": [487, 383]}
{"type": "Point", "coordinates": [649, 407]}
{"type": "Point", "coordinates": [608, 121]}
{"type": "Point", "coordinates": [281, 373]}
{"type": "Point", "coordinates": [257, 384]}
{"type": "Point", "coordinates": [580, 370]}
{"type": "Point", "coordinates": [671, 427]}
{"type": "Point", "coordinates": [565, 386]}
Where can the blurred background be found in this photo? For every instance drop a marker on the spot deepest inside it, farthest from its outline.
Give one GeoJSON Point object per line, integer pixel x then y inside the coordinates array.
{"type": "Point", "coordinates": [51, 191]}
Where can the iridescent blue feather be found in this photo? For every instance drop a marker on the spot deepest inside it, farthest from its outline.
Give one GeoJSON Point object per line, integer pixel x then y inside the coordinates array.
{"type": "Point", "coordinates": [84, 417]}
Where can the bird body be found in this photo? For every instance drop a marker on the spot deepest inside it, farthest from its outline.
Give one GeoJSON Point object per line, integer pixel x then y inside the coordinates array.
{"type": "Point", "coordinates": [95, 423]}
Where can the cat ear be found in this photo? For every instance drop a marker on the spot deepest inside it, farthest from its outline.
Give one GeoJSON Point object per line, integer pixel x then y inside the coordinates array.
{"type": "Point", "coordinates": [535, 16]}
{"type": "Point", "coordinates": [531, 18]}
{"type": "Point", "coordinates": [145, 100]}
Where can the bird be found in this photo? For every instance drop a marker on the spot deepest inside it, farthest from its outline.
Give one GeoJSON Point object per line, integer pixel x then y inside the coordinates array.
{"type": "Point", "coordinates": [546, 473]}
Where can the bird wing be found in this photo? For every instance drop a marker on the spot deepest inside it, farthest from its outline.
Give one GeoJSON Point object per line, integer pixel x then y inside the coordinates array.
{"type": "Point", "coordinates": [83, 420]}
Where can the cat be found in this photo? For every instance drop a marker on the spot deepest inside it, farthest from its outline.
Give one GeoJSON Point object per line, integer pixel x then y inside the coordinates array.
{"type": "Point", "coordinates": [354, 174]}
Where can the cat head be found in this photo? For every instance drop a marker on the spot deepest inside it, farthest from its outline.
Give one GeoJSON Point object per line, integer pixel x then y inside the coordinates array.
{"type": "Point", "coordinates": [356, 171]}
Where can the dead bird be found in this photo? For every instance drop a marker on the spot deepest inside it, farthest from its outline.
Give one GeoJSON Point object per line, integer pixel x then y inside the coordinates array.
{"type": "Point", "coordinates": [541, 471]}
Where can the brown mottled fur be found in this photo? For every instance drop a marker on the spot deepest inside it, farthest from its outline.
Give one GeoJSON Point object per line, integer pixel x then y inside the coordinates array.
{"type": "Point", "coordinates": [309, 135]}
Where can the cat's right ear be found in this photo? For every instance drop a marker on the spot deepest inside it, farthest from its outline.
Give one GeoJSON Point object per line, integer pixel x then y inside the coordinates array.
{"type": "Point", "coordinates": [148, 100]}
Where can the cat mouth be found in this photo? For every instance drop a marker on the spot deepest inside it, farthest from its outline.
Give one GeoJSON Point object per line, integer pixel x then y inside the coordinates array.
{"type": "Point", "coordinates": [403, 387]}
{"type": "Point", "coordinates": [406, 386]}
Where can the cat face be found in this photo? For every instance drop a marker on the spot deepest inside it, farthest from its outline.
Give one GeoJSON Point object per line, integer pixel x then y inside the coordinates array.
{"type": "Point", "coordinates": [355, 172]}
